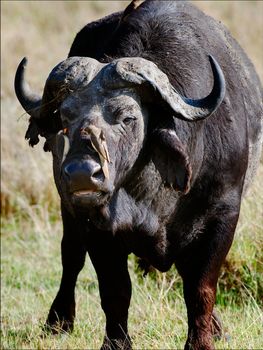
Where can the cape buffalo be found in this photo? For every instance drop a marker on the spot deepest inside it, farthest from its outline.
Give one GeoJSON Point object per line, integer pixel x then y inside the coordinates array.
{"type": "Point", "coordinates": [139, 167]}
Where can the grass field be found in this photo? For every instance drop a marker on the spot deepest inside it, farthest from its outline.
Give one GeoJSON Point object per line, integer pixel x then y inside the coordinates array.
{"type": "Point", "coordinates": [31, 227]}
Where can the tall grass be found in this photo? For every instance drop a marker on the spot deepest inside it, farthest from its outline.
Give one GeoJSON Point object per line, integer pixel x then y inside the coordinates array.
{"type": "Point", "coordinates": [31, 227]}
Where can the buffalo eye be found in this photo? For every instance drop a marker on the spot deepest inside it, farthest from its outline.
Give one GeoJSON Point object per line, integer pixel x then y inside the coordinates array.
{"type": "Point", "coordinates": [128, 120]}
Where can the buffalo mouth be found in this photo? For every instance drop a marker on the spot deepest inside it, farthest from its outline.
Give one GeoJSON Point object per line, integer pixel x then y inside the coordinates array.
{"type": "Point", "coordinates": [89, 198]}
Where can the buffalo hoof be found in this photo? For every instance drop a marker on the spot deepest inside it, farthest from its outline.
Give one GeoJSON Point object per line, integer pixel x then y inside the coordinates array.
{"type": "Point", "coordinates": [116, 344]}
{"type": "Point", "coordinates": [57, 327]}
{"type": "Point", "coordinates": [60, 319]}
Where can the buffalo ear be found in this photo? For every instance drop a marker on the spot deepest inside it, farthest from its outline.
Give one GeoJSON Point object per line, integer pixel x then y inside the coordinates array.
{"type": "Point", "coordinates": [32, 133]}
{"type": "Point", "coordinates": [46, 127]}
{"type": "Point", "coordinates": [171, 160]}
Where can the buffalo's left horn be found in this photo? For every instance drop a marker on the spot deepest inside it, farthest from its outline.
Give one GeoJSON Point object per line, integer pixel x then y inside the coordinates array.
{"type": "Point", "coordinates": [28, 99]}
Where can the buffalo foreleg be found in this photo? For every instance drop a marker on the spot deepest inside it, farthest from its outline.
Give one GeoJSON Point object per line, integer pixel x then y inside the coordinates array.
{"type": "Point", "coordinates": [62, 312]}
{"type": "Point", "coordinates": [110, 262]}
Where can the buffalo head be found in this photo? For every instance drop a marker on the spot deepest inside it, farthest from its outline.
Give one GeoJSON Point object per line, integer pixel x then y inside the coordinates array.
{"type": "Point", "coordinates": [95, 118]}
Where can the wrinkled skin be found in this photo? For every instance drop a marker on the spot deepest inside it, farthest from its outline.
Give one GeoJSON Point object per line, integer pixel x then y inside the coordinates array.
{"type": "Point", "coordinates": [119, 115]}
{"type": "Point", "coordinates": [135, 170]}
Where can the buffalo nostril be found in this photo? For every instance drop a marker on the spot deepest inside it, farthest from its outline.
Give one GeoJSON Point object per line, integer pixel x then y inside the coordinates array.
{"type": "Point", "coordinates": [96, 170]}
{"type": "Point", "coordinates": [98, 175]}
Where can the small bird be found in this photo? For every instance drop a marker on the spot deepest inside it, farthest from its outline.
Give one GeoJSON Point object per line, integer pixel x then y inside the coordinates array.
{"type": "Point", "coordinates": [98, 142]}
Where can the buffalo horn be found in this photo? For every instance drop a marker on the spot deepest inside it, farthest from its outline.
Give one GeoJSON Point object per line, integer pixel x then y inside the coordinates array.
{"type": "Point", "coordinates": [203, 108]}
{"type": "Point", "coordinates": [28, 99]}
{"type": "Point", "coordinates": [143, 73]}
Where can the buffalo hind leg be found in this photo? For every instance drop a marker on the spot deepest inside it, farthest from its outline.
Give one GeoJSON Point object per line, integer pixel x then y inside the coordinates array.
{"type": "Point", "coordinates": [199, 269]}
{"type": "Point", "coordinates": [199, 298]}
{"type": "Point", "coordinates": [73, 251]}
{"type": "Point", "coordinates": [110, 263]}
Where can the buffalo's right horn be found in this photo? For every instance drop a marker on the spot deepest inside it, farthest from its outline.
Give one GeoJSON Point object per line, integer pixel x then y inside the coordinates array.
{"type": "Point", "coordinates": [29, 100]}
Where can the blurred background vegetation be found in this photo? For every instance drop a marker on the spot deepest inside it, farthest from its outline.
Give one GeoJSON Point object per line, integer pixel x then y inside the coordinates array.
{"type": "Point", "coordinates": [31, 228]}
